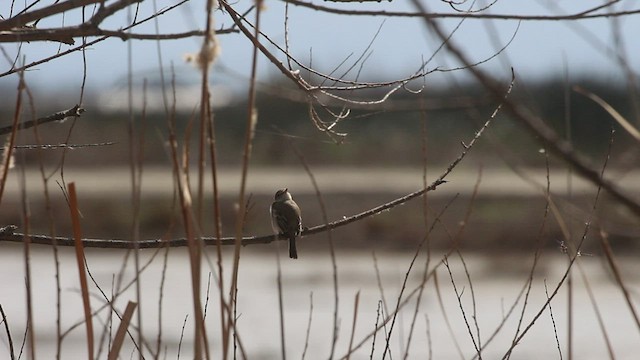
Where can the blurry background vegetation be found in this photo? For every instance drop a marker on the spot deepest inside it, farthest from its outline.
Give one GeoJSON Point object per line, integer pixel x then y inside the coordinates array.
{"type": "Point", "coordinates": [389, 137]}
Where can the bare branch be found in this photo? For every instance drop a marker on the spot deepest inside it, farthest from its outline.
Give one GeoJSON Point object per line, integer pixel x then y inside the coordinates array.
{"type": "Point", "coordinates": [66, 35]}
{"type": "Point", "coordinates": [8, 235]}
{"type": "Point", "coordinates": [23, 19]}
{"type": "Point", "coordinates": [538, 127]}
{"type": "Point", "coordinates": [582, 15]}
{"type": "Point", "coordinates": [59, 116]}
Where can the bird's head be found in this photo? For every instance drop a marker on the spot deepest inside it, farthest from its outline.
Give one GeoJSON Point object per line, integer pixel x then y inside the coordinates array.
{"type": "Point", "coordinates": [282, 195]}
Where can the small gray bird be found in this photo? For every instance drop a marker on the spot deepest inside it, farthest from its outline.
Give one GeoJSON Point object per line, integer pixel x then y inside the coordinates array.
{"type": "Point", "coordinates": [286, 220]}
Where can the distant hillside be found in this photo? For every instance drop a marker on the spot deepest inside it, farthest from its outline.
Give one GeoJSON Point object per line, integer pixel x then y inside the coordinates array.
{"type": "Point", "coordinates": [388, 133]}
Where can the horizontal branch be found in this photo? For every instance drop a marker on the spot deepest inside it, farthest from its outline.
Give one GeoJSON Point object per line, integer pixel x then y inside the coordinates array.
{"type": "Point", "coordinates": [7, 233]}
{"type": "Point", "coordinates": [90, 43]}
{"type": "Point", "coordinates": [60, 146]}
{"type": "Point", "coordinates": [66, 35]}
{"type": "Point", "coordinates": [59, 116]}
{"type": "Point", "coordinates": [583, 15]}
{"type": "Point", "coordinates": [23, 19]}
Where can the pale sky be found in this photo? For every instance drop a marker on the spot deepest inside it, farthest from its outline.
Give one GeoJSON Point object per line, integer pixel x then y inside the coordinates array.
{"type": "Point", "coordinates": [538, 50]}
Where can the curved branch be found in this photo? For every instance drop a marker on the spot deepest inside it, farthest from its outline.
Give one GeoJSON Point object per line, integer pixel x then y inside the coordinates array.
{"type": "Point", "coordinates": [582, 15]}
{"type": "Point", "coordinates": [11, 236]}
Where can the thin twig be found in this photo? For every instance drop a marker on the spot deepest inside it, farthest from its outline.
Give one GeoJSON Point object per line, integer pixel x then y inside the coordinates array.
{"type": "Point", "coordinates": [596, 310]}
{"type": "Point", "coordinates": [356, 302]}
{"type": "Point", "coordinates": [306, 338]}
{"type": "Point", "coordinates": [445, 316]}
{"type": "Point", "coordinates": [572, 257]}
{"type": "Point", "coordinates": [553, 321]}
{"type": "Point", "coordinates": [606, 247]}
{"type": "Point", "coordinates": [184, 324]}
{"type": "Point", "coordinates": [6, 328]}
{"type": "Point", "coordinates": [461, 306]}
{"type": "Point", "coordinates": [323, 210]}
{"type": "Point", "coordinates": [375, 329]}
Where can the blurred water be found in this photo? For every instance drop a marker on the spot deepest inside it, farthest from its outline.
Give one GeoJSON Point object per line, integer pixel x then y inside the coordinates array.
{"type": "Point", "coordinates": [496, 281]}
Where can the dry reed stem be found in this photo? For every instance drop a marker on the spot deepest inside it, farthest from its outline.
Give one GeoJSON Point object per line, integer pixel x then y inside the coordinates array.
{"type": "Point", "coordinates": [136, 159]}
{"type": "Point", "coordinates": [118, 340]}
{"type": "Point", "coordinates": [207, 116]}
{"type": "Point", "coordinates": [252, 118]}
{"type": "Point", "coordinates": [624, 123]}
{"type": "Point", "coordinates": [77, 233]}
{"type": "Point", "coordinates": [108, 302]}
{"type": "Point", "coordinates": [48, 207]}
{"type": "Point", "coordinates": [26, 219]}
{"type": "Point", "coordinates": [180, 164]}
{"type": "Point", "coordinates": [8, 151]}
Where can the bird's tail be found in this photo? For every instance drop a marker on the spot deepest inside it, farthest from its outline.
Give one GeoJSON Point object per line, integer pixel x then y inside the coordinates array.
{"type": "Point", "coordinates": [293, 253]}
